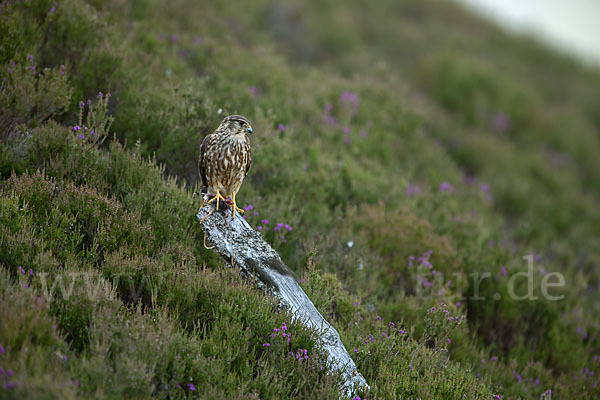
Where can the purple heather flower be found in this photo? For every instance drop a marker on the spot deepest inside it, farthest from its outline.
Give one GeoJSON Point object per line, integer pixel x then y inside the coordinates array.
{"type": "Point", "coordinates": [500, 122]}
{"type": "Point", "coordinates": [446, 187]}
{"type": "Point", "coordinates": [412, 189]}
{"type": "Point", "coordinates": [357, 304]}
{"type": "Point", "coordinates": [191, 386]}
{"type": "Point", "coordinates": [81, 104]}
{"type": "Point", "coordinates": [327, 108]}
{"type": "Point", "coordinates": [249, 207]}
{"type": "Point", "coordinates": [346, 130]}
{"type": "Point", "coordinates": [2, 351]}
{"type": "Point", "coordinates": [362, 133]}
{"type": "Point", "coordinates": [347, 140]}
{"type": "Point", "coordinates": [331, 120]}
{"type": "Point", "coordinates": [99, 95]}
{"type": "Point", "coordinates": [10, 385]}
{"type": "Point", "coordinates": [581, 332]}
{"type": "Point", "coordinates": [281, 128]}
{"type": "Point", "coordinates": [350, 100]}
{"type": "Point", "coordinates": [266, 344]}
{"type": "Point", "coordinates": [253, 90]}
{"type": "Point", "coordinates": [259, 228]}
{"type": "Point", "coordinates": [264, 221]}
{"type": "Point", "coordinates": [81, 136]}
{"type": "Point", "coordinates": [503, 269]}
{"type": "Point", "coordinates": [197, 40]}
{"type": "Point", "coordinates": [62, 69]}
{"type": "Point", "coordinates": [174, 38]}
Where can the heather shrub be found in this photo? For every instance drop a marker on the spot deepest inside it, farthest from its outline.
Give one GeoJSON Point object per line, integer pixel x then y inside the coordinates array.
{"type": "Point", "coordinates": [400, 153]}
{"type": "Point", "coordinates": [30, 95]}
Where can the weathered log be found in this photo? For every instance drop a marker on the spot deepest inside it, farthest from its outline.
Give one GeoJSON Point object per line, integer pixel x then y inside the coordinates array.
{"type": "Point", "coordinates": [240, 245]}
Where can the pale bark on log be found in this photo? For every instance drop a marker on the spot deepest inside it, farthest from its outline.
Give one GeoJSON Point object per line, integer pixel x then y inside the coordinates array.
{"type": "Point", "coordinates": [240, 245]}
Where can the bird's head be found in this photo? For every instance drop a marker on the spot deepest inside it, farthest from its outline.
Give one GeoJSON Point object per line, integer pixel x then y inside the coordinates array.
{"type": "Point", "coordinates": [236, 125]}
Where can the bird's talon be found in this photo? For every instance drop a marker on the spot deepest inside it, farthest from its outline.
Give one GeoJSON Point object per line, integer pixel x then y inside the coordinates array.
{"type": "Point", "coordinates": [217, 197]}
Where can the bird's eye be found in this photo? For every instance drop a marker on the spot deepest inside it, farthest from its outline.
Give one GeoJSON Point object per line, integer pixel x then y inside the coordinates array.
{"type": "Point", "coordinates": [242, 123]}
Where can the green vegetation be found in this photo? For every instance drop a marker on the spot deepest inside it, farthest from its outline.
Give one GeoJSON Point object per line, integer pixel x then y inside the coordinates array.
{"type": "Point", "coordinates": [407, 146]}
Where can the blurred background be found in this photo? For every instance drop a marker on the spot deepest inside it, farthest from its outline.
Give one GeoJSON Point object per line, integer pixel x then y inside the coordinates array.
{"type": "Point", "coordinates": [568, 26]}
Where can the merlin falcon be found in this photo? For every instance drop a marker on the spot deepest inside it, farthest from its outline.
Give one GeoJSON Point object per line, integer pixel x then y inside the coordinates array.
{"type": "Point", "coordinates": [225, 158]}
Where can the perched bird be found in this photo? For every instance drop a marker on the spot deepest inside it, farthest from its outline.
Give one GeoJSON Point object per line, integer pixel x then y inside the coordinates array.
{"type": "Point", "coordinates": [225, 158]}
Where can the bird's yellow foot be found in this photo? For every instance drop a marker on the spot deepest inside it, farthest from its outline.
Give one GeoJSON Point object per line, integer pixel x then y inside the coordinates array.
{"type": "Point", "coordinates": [207, 197]}
{"type": "Point", "coordinates": [235, 208]}
{"type": "Point", "coordinates": [216, 197]}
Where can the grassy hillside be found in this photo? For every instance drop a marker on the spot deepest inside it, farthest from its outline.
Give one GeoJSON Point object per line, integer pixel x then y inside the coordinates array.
{"type": "Point", "coordinates": [415, 152]}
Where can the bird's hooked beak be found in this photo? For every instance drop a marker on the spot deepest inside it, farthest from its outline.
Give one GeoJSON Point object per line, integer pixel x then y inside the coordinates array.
{"type": "Point", "coordinates": [249, 129]}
